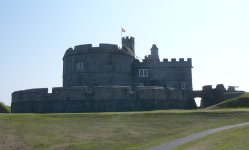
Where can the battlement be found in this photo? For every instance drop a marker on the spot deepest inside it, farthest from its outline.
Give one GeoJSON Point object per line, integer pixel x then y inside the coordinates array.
{"type": "Point", "coordinates": [180, 60]}
{"type": "Point", "coordinates": [103, 47]}
{"type": "Point", "coordinates": [96, 93]}
{"type": "Point", "coordinates": [99, 98]}
{"type": "Point", "coordinates": [127, 38]}
{"type": "Point", "coordinates": [82, 47]}
{"type": "Point", "coordinates": [109, 46]}
{"type": "Point", "coordinates": [165, 63]}
{"type": "Point", "coordinates": [129, 42]}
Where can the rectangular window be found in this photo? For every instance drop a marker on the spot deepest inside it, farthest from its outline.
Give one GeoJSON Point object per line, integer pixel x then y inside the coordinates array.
{"type": "Point", "coordinates": [80, 65]}
{"type": "Point", "coordinates": [143, 72]}
{"type": "Point", "coordinates": [168, 84]}
{"type": "Point", "coordinates": [182, 85]}
{"type": "Point", "coordinates": [162, 73]}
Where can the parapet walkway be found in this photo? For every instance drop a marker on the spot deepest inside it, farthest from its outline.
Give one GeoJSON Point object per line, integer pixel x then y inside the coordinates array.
{"type": "Point", "coordinates": [186, 139]}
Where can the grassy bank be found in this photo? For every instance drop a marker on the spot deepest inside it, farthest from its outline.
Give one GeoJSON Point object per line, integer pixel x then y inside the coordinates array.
{"type": "Point", "coordinates": [238, 102]}
{"type": "Point", "coordinates": [123, 130]}
{"type": "Point", "coordinates": [4, 108]}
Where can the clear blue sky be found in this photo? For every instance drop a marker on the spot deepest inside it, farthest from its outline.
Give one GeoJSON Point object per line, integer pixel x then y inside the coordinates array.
{"type": "Point", "coordinates": [35, 34]}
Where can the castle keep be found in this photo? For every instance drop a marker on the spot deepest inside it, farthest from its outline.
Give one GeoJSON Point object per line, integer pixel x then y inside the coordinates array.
{"type": "Point", "coordinates": [108, 78]}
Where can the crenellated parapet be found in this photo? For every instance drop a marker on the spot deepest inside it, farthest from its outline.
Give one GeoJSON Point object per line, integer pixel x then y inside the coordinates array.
{"type": "Point", "coordinates": [103, 48]}
{"type": "Point", "coordinates": [165, 63]}
{"type": "Point", "coordinates": [129, 42]}
{"type": "Point", "coordinates": [120, 97]}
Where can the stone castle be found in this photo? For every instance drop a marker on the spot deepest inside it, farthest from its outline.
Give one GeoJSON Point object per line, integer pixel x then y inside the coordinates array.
{"type": "Point", "coordinates": [108, 78]}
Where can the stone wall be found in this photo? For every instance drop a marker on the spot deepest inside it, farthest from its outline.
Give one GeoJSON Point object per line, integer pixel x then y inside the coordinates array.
{"type": "Point", "coordinates": [211, 96]}
{"type": "Point", "coordinates": [96, 61]}
{"type": "Point", "coordinates": [98, 99]}
{"type": "Point", "coordinates": [175, 73]}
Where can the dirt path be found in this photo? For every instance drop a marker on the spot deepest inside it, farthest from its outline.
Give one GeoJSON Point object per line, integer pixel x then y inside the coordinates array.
{"type": "Point", "coordinates": [186, 139]}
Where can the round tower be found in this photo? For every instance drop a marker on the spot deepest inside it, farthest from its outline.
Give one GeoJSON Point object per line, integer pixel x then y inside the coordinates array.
{"type": "Point", "coordinates": [106, 65]}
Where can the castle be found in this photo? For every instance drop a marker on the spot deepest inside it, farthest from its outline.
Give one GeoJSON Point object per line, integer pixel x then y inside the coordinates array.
{"type": "Point", "coordinates": [108, 78]}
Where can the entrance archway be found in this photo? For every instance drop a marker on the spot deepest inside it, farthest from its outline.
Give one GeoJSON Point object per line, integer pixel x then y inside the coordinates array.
{"type": "Point", "coordinates": [198, 101]}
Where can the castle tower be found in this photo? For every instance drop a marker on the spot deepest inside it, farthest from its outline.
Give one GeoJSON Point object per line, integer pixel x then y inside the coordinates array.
{"type": "Point", "coordinates": [129, 42]}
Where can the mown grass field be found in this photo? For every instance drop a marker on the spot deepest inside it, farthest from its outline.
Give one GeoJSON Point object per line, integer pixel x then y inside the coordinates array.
{"type": "Point", "coordinates": [107, 131]}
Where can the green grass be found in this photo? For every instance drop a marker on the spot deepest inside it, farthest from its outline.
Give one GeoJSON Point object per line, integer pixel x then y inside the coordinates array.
{"type": "Point", "coordinates": [230, 95]}
{"type": "Point", "coordinates": [107, 131]}
{"type": "Point", "coordinates": [5, 107]}
{"type": "Point", "coordinates": [235, 138]}
{"type": "Point", "coordinates": [238, 102]}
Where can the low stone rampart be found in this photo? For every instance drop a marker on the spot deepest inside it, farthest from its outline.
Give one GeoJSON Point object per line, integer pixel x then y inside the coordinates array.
{"type": "Point", "coordinates": [97, 99]}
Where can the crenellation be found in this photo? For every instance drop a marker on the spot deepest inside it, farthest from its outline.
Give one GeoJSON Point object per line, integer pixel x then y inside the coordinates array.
{"type": "Point", "coordinates": [173, 60]}
{"type": "Point", "coordinates": [111, 98]}
{"type": "Point", "coordinates": [109, 46]}
{"type": "Point", "coordinates": [165, 60]}
{"type": "Point", "coordinates": [82, 47]}
{"type": "Point", "coordinates": [34, 94]}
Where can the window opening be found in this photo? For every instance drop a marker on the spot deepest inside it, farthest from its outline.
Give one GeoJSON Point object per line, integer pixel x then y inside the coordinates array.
{"type": "Point", "coordinates": [80, 65]}
{"type": "Point", "coordinates": [143, 72]}
{"type": "Point", "coordinates": [182, 85]}
{"type": "Point", "coordinates": [109, 65]}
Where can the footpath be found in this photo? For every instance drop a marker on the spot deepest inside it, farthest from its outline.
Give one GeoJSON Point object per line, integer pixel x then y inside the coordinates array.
{"type": "Point", "coordinates": [186, 139]}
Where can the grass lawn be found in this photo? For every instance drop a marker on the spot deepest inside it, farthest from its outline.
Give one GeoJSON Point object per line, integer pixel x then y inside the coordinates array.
{"type": "Point", "coordinates": [236, 138]}
{"type": "Point", "coordinates": [117, 130]}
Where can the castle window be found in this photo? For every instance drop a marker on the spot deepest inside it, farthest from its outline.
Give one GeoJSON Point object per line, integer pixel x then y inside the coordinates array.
{"type": "Point", "coordinates": [182, 85]}
{"type": "Point", "coordinates": [168, 84]}
{"type": "Point", "coordinates": [80, 65]}
{"type": "Point", "coordinates": [143, 72]}
{"type": "Point", "coordinates": [162, 73]}
{"type": "Point", "coordinates": [109, 65]}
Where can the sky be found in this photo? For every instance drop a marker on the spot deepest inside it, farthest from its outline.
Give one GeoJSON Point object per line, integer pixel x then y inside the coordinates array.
{"type": "Point", "coordinates": [34, 36]}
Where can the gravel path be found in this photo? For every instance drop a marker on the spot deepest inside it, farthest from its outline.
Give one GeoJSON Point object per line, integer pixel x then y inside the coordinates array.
{"type": "Point", "coordinates": [186, 139]}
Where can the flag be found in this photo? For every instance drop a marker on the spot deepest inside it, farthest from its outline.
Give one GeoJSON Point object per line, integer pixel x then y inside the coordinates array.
{"type": "Point", "coordinates": [123, 30]}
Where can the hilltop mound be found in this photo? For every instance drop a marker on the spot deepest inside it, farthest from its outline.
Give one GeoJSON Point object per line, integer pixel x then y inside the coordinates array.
{"type": "Point", "coordinates": [241, 101]}
{"type": "Point", "coordinates": [4, 108]}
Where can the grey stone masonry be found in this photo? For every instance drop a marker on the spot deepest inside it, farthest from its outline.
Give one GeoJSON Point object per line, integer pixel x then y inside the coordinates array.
{"type": "Point", "coordinates": [109, 78]}
{"type": "Point", "coordinates": [99, 98]}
